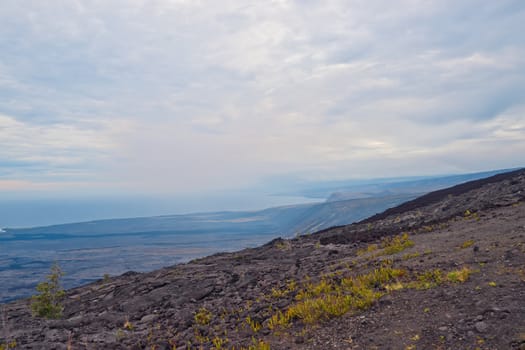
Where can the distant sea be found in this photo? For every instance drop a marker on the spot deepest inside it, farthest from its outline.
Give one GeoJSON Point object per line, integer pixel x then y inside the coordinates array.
{"type": "Point", "coordinates": [23, 263]}
{"type": "Point", "coordinates": [31, 212]}
{"type": "Point", "coordinates": [25, 260]}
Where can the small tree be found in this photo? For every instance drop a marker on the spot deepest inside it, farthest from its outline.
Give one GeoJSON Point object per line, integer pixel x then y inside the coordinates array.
{"type": "Point", "coordinates": [48, 303]}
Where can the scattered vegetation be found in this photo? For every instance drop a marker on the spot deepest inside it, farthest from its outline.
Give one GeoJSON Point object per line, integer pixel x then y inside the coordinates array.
{"type": "Point", "coordinates": [370, 248]}
{"type": "Point", "coordinates": [388, 246]}
{"type": "Point", "coordinates": [415, 337]}
{"type": "Point", "coordinates": [327, 299]}
{"type": "Point", "coordinates": [291, 286]}
{"type": "Point", "coordinates": [10, 345]}
{"type": "Point", "coordinates": [256, 345]}
{"type": "Point", "coordinates": [459, 276]}
{"type": "Point", "coordinates": [433, 278]}
{"type": "Point", "coordinates": [254, 325]}
{"type": "Point", "coordinates": [411, 256]}
{"type": "Point", "coordinates": [428, 279]}
{"type": "Point", "coordinates": [203, 316]}
{"type": "Point", "coordinates": [283, 245]}
{"type": "Point", "coordinates": [469, 215]}
{"type": "Point", "coordinates": [219, 343]}
{"type": "Point", "coordinates": [333, 295]}
{"type": "Point", "coordinates": [396, 244]}
{"type": "Point", "coordinates": [47, 303]}
{"type": "Point", "coordinates": [467, 244]}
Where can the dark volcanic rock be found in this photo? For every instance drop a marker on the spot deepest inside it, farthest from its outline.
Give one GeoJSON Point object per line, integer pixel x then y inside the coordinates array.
{"type": "Point", "coordinates": [232, 297]}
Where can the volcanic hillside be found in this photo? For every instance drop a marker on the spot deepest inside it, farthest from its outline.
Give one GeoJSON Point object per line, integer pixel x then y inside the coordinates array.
{"type": "Point", "coordinates": [444, 271]}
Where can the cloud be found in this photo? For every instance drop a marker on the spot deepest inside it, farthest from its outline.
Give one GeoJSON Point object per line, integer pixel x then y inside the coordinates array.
{"type": "Point", "coordinates": [55, 152]}
{"type": "Point", "coordinates": [191, 95]}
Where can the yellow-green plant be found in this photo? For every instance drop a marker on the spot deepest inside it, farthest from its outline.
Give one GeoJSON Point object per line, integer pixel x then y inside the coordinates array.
{"type": "Point", "coordinates": [283, 245]}
{"type": "Point", "coordinates": [11, 345]}
{"type": "Point", "coordinates": [396, 244]}
{"type": "Point", "coordinates": [279, 320]}
{"type": "Point", "coordinates": [254, 325]}
{"type": "Point", "coordinates": [459, 276]}
{"type": "Point", "coordinates": [411, 256]}
{"type": "Point", "coordinates": [470, 215]}
{"type": "Point", "coordinates": [256, 345]}
{"type": "Point", "coordinates": [369, 248]}
{"type": "Point", "coordinates": [201, 339]}
{"type": "Point", "coordinates": [466, 244]}
{"type": "Point", "coordinates": [48, 303]}
{"type": "Point", "coordinates": [314, 289]}
{"type": "Point", "coordinates": [428, 279]}
{"type": "Point", "coordinates": [331, 298]}
{"type": "Point", "coordinates": [394, 286]}
{"type": "Point", "coordinates": [278, 293]}
{"type": "Point", "coordinates": [219, 343]}
{"type": "Point", "coordinates": [203, 317]}
{"type": "Point", "coordinates": [291, 286]}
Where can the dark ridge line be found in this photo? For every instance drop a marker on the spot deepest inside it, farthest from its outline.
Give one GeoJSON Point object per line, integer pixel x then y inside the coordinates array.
{"type": "Point", "coordinates": [330, 229]}
{"type": "Point", "coordinates": [436, 196]}
{"type": "Point", "coordinates": [379, 216]}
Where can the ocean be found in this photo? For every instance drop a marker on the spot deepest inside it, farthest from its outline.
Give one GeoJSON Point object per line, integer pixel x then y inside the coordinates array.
{"type": "Point", "coordinates": [25, 258]}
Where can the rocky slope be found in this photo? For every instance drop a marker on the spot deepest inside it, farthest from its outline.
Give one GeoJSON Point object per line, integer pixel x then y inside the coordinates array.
{"type": "Point", "coordinates": [454, 280]}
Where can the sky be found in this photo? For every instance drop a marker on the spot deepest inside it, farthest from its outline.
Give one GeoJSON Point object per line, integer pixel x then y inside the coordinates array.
{"type": "Point", "coordinates": [175, 96]}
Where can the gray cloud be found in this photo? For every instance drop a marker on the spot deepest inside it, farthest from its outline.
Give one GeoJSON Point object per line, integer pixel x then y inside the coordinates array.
{"type": "Point", "coordinates": [196, 94]}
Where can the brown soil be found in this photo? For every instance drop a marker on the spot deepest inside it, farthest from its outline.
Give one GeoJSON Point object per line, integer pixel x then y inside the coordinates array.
{"type": "Point", "coordinates": [485, 312]}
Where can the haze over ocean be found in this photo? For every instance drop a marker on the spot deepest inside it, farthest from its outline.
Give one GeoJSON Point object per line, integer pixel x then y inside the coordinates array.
{"type": "Point", "coordinates": [26, 212]}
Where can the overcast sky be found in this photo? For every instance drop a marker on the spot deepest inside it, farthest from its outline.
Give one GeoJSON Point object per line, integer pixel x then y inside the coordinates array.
{"type": "Point", "coordinates": [169, 96]}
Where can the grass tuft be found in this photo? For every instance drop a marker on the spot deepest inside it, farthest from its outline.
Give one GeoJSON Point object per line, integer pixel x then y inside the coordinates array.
{"type": "Point", "coordinates": [203, 317]}
{"type": "Point", "coordinates": [396, 244]}
{"type": "Point", "coordinates": [459, 276]}
{"type": "Point", "coordinates": [466, 244]}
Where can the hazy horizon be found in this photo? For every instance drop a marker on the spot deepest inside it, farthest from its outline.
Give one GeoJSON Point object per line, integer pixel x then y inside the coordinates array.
{"type": "Point", "coordinates": [33, 210]}
{"type": "Point", "coordinates": [18, 213]}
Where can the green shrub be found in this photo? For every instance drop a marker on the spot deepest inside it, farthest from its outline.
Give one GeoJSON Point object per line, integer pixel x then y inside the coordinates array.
{"type": "Point", "coordinates": [48, 303]}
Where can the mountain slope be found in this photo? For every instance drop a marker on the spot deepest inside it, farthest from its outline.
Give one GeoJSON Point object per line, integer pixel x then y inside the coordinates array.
{"type": "Point", "coordinates": [286, 220]}
{"type": "Point", "coordinates": [91, 249]}
{"type": "Point", "coordinates": [456, 281]}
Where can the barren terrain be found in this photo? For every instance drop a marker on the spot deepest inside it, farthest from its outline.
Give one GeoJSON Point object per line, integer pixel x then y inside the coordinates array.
{"type": "Point", "coordinates": [446, 271]}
